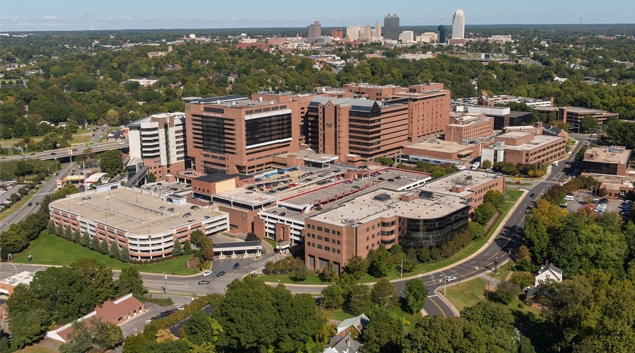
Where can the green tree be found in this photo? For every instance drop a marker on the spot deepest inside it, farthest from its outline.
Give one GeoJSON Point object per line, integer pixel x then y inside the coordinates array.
{"type": "Point", "coordinates": [67, 233]}
{"type": "Point", "coordinates": [187, 246]}
{"type": "Point", "coordinates": [383, 332]}
{"type": "Point", "coordinates": [59, 230]}
{"type": "Point", "coordinates": [177, 250]}
{"type": "Point", "coordinates": [359, 299]}
{"type": "Point", "coordinates": [383, 292]}
{"type": "Point", "coordinates": [415, 294]}
{"type": "Point", "coordinates": [76, 237]}
{"type": "Point", "coordinates": [51, 227]}
{"type": "Point", "coordinates": [97, 276]}
{"type": "Point", "coordinates": [357, 267]}
{"type": "Point", "coordinates": [114, 250]}
{"type": "Point", "coordinates": [333, 296]}
{"type": "Point", "coordinates": [103, 246]}
{"type": "Point", "coordinates": [589, 123]}
{"type": "Point", "coordinates": [506, 292]}
{"type": "Point", "coordinates": [484, 213]}
{"type": "Point", "coordinates": [130, 281]}
{"type": "Point", "coordinates": [328, 273]}
{"type": "Point", "coordinates": [94, 243]}
{"type": "Point", "coordinates": [536, 237]}
{"type": "Point", "coordinates": [487, 164]}
{"type": "Point", "coordinates": [85, 239]}
{"type": "Point", "coordinates": [124, 254]}
{"type": "Point", "coordinates": [200, 328]}
{"type": "Point", "coordinates": [134, 343]}
{"type": "Point", "coordinates": [424, 254]}
{"type": "Point", "coordinates": [494, 197]}
{"type": "Point", "coordinates": [111, 162]}
{"type": "Point", "coordinates": [151, 178]}
{"type": "Point", "coordinates": [380, 262]}
{"type": "Point", "coordinates": [522, 279]}
{"type": "Point", "coordinates": [300, 272]}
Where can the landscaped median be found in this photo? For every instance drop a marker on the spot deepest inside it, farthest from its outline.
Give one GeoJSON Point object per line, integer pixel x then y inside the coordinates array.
{"type": "Point", "coordinates": [48, 249]}
{"type": "Point", "coordinates": [472, 248]}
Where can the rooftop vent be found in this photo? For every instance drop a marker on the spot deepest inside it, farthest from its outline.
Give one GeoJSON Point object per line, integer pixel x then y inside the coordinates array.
{"type": "Point", "coordinates": [382, 197]}
{"type": "Point", "coordinates": [426, 194]}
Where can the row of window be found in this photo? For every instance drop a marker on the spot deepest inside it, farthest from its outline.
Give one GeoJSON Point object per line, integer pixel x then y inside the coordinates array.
{"type": "Point", "coordinates": [327, 248]}
{"type": "Point", "coordinates": [326, 230]}
{"type": "Point", "coordinates": [326, 239]}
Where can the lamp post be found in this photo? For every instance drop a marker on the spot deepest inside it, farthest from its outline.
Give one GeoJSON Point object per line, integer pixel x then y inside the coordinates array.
{"type": "Point", "coordinates": [445, 284]}
{"type": "Point", "coordinates": [401, 268]}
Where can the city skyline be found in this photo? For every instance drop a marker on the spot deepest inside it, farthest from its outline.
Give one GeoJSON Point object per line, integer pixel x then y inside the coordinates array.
{"type": "Point", "coordinates": [144, 14]}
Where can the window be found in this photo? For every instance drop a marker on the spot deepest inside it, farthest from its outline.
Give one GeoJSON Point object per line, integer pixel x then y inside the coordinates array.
{"type": "Point", "coordinates": [333, 249]}
{"type": "Point", "coordinates": [313, 245]}
{"type": "Point", "coordinates": [326, 230]}
{"type": "Point", "coordinates": [373, 235]}
{"type": "Point", "coordinates": [338, 232]}
{"type": "Point", "coordinates": [366, 247]}
{"type": "Point", "coordinates": [333, 241]}
{"type": "Point", "coordinates": [319, 246]}
{"type": "Point", "coordinates": [327, 248]}
{"type": "Point", "coordinates": [339, 251]}
{"type": "Point", "coordinates": [319, 237]}
{"type": "Point", "coordinates": [338, 242]}
{"type": "Point", "coordinates": [319, 229]}
{"type": "Point", "coordinates": [326, 239]}
{"type": "Point", "coordinates": [313, 236]}
{"type": "Point", "coordinates": [373, 227]}
{"type": "Point", "coordinates": [368, 229]}
{"type": "Point", "coordinates": [367, 238]}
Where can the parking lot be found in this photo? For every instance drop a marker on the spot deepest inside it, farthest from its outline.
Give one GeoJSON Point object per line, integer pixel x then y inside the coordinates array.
{"type": "Point", "coordinates": [580, 200]}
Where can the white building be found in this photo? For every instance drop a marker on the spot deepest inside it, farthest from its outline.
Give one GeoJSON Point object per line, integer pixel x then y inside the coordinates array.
{"type": "Point", "coordinates": [159, 140]}
{"type": "Point", "coordinates": [458, 25]}
{"type": "Point", "coordinates": [549, 272]}
{"type": "Point", "coordinates": [407, 36]}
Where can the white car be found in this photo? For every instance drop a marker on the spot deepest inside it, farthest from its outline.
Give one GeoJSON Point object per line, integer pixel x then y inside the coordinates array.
{"type": "Point", "coordinates": [180, 307]}
{"type": "Point", "coordinates": [450, 278]}
{"type": "Point", "coordinates": [207, 273]}
{"type": "Point", "coordinates": [148, 321]}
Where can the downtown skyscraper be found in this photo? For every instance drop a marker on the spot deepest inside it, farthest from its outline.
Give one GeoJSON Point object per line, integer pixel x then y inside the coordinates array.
{"type": "Point", "coordinates": [458, 25]}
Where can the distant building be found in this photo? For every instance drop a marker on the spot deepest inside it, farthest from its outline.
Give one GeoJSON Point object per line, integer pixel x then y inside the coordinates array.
{"type": "Point", "coordinates": [159, 140]}
{"type": "Point", "coordinates": [391, 27]}
{"type": "Point", "coordinates": [407, 36]}
{"type": "Point", "coordinates": [466, 128]}
{"type": "Point", "coordinates": [443, 35]}
{"type": "Point", "coordinates": [574, 115]}
{"type": "Point", "coordinates": [258, 45]}
{"type": "Point", "coordinates": [315, 31]}
{"type": "Point", "coordinates": [606, 160]}
{"type": "Point", "coordinates": [7, 285]}
{"type": "Point", "coordinates": [525, 148]}
{"type": "Point", "coordinates": [337, 33]}
{"type": "Point", "coordinates": [144, 81]}
{"type": "Point", "coordinates": [549, 272]}
{"type": "Point", "coordinates": [458, 25]}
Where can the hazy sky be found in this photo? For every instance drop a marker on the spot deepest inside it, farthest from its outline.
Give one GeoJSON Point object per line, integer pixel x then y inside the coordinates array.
{"type": "Point", "coordinates": [26, 15]}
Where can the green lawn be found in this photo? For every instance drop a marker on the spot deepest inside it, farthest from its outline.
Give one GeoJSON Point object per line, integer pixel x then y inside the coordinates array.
{"type": "Point", "coordinates": [52, 250]}
{"type": "Point", "coordinates": [471, 292]}
{"type": "Point", "coordinates": [513, 196]}
{"type": "Point", "coordinates": [341, 315]}
{"type": "Point", "coordinates": [271, 242]}
{"type": "Point", "coordinates": [503, 271]}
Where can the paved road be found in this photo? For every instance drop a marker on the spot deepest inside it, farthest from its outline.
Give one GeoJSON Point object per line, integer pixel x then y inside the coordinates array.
{"type": "Point", "coordinates": [46, 189]}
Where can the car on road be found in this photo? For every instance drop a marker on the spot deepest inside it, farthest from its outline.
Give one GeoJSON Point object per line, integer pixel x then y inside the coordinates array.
{"type": "Point", "coordinates": [180, 307]}
{"type": "Point", "coordinates": [148, 321]}
{"type": "Point", "coordinates": [220, 274]}
{"type": "Point", "coordinates": [162, 208]}
{"type": "Point", "coordinates": [52, 153]}
{"type": "Point", "coordinates": [236, 265]}
{"type": "Point", "coordinates": [203, 282]}
{"type": "Point", "coordinates": [450, 278]}
{"type": "Point", "coordinates": [187, 215]}
{"type": "Point", "coordinates": [207, 273]}
{"type": "Point", "coordinates": [170, 209]}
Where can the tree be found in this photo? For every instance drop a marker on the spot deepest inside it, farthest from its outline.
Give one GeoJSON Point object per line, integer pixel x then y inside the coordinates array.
{"type": "Point", "coordinates": [494, 197]}
{"type": "Point", "coordinates": [380, 262]}
{"type": "Point", "coordinates": [114, 250]}
{"type": "Point", "coordinates": [76, 237]}
{"type": "Point", "coordinates": [51, 227]}
{"type": "Point", "coordinates": [357, 267]}
{"type": "Point", "coordinates": [124, 254]}
{"type": "Point", "coordinates": [97, 276]}
{"type": "Point", "coordinates": [333, 296]}
{"type": "Point", "coordinates": [424, 254]}
{"type": "Point", "coordinates": [85, 239]}
{"type": "Point", "coordinates": [416, 294]}
{"type": "Point", "coordinates": [487, 164]}
{"type": "Point", "coordinates": [383, 332]}
{"type": "Point", "coordinates": [588, 123]}
{"type": "Point", "coordinates": [383, 292]}
{"type": "Point", "coordinates": [94, 243]}
{"type": "Point", "coordinates": [328, 273]}
{"type": "Point", "coordinates": [67, 233]}
{"type": "Point", "coordinates": [94, 334]}
{"type": "Point", "coordinates": [59, 230]}
{"type": "Point", "coordinates": [201, 328]}
{"type": "Point", "coordinates": [134, 343]}
{"type": "Point", "coordinates": [536, 237]}
{"type": "Point", "coordinates": [130, 281]}
{"type": "Point", "coordinates": [359, 299]}
{"type": "Point", "coordinates": [484, 213]}
{"type": "Point", "coordinates": [151, 178]}
{"type": "Point", "coordinates": [506, 292]}
{"type": "Point", "coordinates": [177, 250]}
{"type": "Point", "coordinates": [111, 162]}
{"type": "Point", "coordinates": [522, 279]}
{"type": "Point", "coordinates": [300, 272]}
{"type": "Point", "coordinates": [187, 246]}
{"type": "Point", "coordinates": [103, 246]}
{"type": "Point", "coordinates": [269, 267]}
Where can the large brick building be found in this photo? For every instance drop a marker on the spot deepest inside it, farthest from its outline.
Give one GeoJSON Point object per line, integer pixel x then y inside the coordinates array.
{"type": "Point", "coordinates": [525, 148]}
{"type": "Point", "coordinates": [466, 128]}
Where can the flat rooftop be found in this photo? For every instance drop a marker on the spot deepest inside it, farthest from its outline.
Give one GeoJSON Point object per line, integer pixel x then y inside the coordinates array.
{"type": "Point", "coordinates": [440, 146]}
{"type": "Point", "coordinates": [132, 210]}
{"type": "Point", "coordinates": [611, 155]}
{"type": "Point", "coordinates": [21, 278]}
{"type": "Point", "coordinates": [537, 142]}
{"type": "Point", "coordinates": [366, 207]}
{"type": "Point", "coordinates": [310, 156]}
{"type": "Point", "coordinates": [514, 134]}
{"type": "Point", "coordinates": [469, 178]}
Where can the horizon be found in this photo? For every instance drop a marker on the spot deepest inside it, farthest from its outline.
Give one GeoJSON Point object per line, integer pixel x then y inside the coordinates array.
{"type": "Point", "coordinates": [70, 15]}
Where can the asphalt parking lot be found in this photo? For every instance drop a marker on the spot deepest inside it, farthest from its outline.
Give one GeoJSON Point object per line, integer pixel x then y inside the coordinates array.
{"type": "Point", "coordinates": [136, 324]}
{"type": "Point", "coordinates": [579, 201]}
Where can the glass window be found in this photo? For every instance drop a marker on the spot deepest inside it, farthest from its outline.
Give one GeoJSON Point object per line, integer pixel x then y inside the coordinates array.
{"type": "Point", "coordinates": [267, 129]}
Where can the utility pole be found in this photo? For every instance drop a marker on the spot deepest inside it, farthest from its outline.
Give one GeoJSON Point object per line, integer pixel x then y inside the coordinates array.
{"type": "Point", "coordinates": [401, 268]}
{"type": "Point", "coordinates": [445, 284]}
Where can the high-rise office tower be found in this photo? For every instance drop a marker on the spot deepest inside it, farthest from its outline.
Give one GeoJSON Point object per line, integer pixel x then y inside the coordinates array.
{"type": "Point", "coordinates": [458, 25]}
{"type": "Point", "coordinates": [391, 27]}
{"type": "Point", "coordinates": [315, 31]}
{"type": "Point", "coordinates": [442, 34]}
{"type": "Point", "coordinates": [377, 30]}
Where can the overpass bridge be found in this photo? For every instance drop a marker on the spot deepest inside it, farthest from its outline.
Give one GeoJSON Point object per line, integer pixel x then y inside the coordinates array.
{"type": "Point", "coordinates": [64, 153]}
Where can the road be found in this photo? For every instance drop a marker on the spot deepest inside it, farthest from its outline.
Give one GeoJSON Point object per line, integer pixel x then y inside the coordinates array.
{"type": "Point", "coordinates": [45, 190]}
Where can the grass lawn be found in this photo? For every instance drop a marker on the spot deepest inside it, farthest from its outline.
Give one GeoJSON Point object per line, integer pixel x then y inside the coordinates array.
{"type": "Point", "coordinates": [503, 271]}
{"type": "Point", "coordinates": [271, 242]}
{"type": "Point", "coordinates": [467, 293]}
{"type": "Point", "coordinates": [52, 250]}
{"type": "Point", "coordinates": [341, 315]}
{"type": "Point", "coordinates": [513, 196]}
{"type": "Point", "coordinates": [37, 349]}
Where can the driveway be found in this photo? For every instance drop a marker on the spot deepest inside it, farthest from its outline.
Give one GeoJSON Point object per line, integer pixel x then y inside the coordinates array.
{"type": "Point", "coordinates": [137, 323]}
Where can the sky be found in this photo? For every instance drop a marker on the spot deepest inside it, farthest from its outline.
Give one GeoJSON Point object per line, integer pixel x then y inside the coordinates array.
{"type": "Point", "coordinates": [46, 15]}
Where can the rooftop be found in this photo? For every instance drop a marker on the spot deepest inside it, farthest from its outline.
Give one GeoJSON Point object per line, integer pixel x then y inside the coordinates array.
{"type": "Point", "coordinates": [220, 176]}
{"type": "Point", "coordinates": [537, 142]}
{"type": "Point", "coordinates": [611, 155]}
{"type": "Point", "coordinates": [440, 146]}
{"type": "Point", "coordinates": [468, 178]}
{"type": "Point", "coordinates": [136, 211]}
{"type": "Point", "coordinates": [21, 278]}
{"type": "Point", "coordinates": [514, 134]}
{"type": "Point", "coordinates": [388, 203]}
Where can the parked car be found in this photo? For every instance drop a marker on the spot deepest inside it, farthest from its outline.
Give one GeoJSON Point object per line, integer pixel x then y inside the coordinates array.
{"type": "Point", "coordinates": [220, 274]}
{"type": "Point", "coordinates": [171, 209]}
{"type": "Point", "coordinates": [148, 321]}
{"type": "Point", "coordinates": [283, 214]}
{"type": "Point", "coordinates": [203, 282]}
{"type": "Point", "coordinates": [187, 215]}
{"type": "Point", "coordinates": [180, 307]}
{"type": "Point", "coordinates": [236, 265]}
